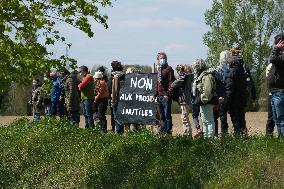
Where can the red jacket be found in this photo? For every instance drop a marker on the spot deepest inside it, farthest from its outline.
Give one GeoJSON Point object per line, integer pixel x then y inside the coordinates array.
{"type": "Point", "coordinates": [101, 91]}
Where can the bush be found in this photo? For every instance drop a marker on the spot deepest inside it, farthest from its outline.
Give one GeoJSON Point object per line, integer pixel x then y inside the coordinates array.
{"type": "Point", "coordinates": [54, 154]}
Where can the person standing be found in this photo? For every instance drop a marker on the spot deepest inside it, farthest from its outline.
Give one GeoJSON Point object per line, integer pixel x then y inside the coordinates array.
{"type": "Point", "coordinates": [276, 83]}
{"type": "Point", "coordinates": [37, 99]}
{"type": "Point", "coordinates": [117, 76]}
{"type": "Point", "coordinates": [72, 98]}
{"type": "Point", "coordinates": [87, 88]}
{"type": "Point", "coordinates": [236, 94]}
{"type": "Point", "coordinates": [195, 109]}
{"type": "Point", "coordinates": [221, 74]}
{"type": "Point", "coordinates": [183, 84]}
{"type": "Point", "coordinates": [251, 90]}
{"type": "Point", "coordinates": [205, 96]}
{"type": "Point", "coordinates": [46, 88]}
{"type": "Point", "coordinates": [57, 103]}
{"type": "Point", "coordinates": [166, 77]}
{"type": "Point", "coordinates": [101, 99]}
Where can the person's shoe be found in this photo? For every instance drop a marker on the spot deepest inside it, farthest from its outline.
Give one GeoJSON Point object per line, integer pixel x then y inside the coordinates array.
{"type": "Point", "coordinates": [199, 134]}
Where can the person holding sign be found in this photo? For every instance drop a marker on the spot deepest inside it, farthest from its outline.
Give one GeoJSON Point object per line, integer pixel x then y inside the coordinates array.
{"type": "Point", "coordinates": [101, 99]}
{"type": "Point", "coordinates": [163, 93]}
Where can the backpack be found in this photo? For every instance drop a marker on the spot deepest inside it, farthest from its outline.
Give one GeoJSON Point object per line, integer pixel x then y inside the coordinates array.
{"type": "Point", "coordinates": [215, 98]}
{"type": "Point", "coordinates": [245, 67]}
{"type": "Point", "coordinates": [177, 94]}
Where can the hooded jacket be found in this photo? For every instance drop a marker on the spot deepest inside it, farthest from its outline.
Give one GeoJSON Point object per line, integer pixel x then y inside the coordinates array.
{"type": "Point", "coordinates": [236, 85]}
{"type": "Point", "coordinates": [206, 86]}
{"type": "Point", "coordinates": [57, 89]}
{"type": "Point", "coordinates": [184, 84]}
{"type": "Point", "coordinates": [250, 83]}
{"type": "Point", "coordinates": [72, 97]}
{"type": "Point", "coordinates": [276, 78]}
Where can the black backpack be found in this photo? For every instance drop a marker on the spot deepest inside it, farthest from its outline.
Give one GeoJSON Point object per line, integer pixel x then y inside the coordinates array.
{"type": "Point", "coordinates": [220, 86]}
{"type": "Point", "coordinates": [177, 93]}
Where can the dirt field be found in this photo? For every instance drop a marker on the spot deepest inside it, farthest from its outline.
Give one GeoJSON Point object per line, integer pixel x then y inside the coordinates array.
{"type": "Point", "coordinates": [255, 122]}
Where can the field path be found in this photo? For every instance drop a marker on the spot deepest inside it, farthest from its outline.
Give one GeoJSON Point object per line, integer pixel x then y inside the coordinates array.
{"type": "Point", "coordinates": [256, 122]}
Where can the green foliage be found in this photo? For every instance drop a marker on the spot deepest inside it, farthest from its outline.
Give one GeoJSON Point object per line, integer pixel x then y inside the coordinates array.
{"type": "Point", "coordinates": [251, 24]}
{"type": "Point", "coordinates": [54, 154]}
{"type": "Point", "coordinates": [140, 68]}
{"type": "Point", "coordinates": [22, 22]}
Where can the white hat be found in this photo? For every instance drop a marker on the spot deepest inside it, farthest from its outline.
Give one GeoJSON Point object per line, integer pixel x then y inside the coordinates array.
{"type": "Point", "coordinates": [98, 75]}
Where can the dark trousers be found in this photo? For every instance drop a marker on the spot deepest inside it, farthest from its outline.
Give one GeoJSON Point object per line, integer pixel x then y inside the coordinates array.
{"type": "Point", "coordinates": [101, 107]}
{"type": "Point", "coordinates": [112, 119]}
{"type": "Point", "coordinates": [216, 116]}
{"type": "Point", "coordinates": [195, 115]}
{"type": "Point", "coordinates": [74, 117]}
{"type": "Point", "coordinates": [270, 122]}
{"type": "Point", "coordinates": [57, 108]}
{"type": "Point", "coordinates": [88, 112]}
{"type": "Point", "coordinates": [119, 128]}
{"type": "Point", "coordinates": [223, 118]}
{"type": "Point", "coordinates": [238, 119]}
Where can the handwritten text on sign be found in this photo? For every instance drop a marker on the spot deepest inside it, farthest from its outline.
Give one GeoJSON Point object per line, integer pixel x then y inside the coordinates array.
{"type": "Point", "coordinates": [135, 95]}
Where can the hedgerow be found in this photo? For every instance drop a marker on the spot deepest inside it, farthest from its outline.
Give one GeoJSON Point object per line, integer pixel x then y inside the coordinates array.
{"type": "Point", "coordinates": [55, 154]}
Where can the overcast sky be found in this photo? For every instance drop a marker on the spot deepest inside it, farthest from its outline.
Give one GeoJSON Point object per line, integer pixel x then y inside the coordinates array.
{"type": "Point", "coordinates": [141, 28]}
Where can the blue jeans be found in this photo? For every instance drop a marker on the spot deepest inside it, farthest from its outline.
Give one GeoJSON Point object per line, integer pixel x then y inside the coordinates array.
{"type": "Point", "coordinates": [207, 118]}
{"type": "Point", "coordinates": [277, 103]}
{"type": "Point", "coordinates": [119, 129]}
{"type": "Point", "coordinates": [57, 107]}
{"type": "Point", "coordinates": [88, 112]}
{"type": "Point", "coordinates": [165, 110]}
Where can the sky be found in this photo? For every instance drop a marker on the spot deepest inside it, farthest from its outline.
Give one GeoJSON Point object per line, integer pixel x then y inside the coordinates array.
{"type": "Point", "coordinates": [138, 30]}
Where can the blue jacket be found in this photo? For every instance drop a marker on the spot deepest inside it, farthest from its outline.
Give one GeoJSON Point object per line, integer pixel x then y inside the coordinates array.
{"type": "Point", "coordinates": [57, 89]}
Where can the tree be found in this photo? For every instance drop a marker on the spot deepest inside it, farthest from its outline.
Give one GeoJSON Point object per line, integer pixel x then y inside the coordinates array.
{"type": "Point", "coordinates": [23, 22]}
{"type": "Point", "coordinates": [249, 23]}
{"type": "Point", "coordinates": [140, 68]}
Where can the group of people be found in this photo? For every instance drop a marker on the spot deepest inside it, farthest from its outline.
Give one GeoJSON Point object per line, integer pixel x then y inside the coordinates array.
{"type": "Point", "coordinates": [210, 93]}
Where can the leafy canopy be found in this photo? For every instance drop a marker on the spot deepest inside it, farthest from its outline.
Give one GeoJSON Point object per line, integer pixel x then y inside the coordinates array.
{"type": "Point", "coordinates": [249, 23]}
{"type": "Point", "coordinates": [23, 22]}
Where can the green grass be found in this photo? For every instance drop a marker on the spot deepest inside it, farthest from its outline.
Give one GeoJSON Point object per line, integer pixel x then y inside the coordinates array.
{"type": "Point", "coordinates": [53, 154]}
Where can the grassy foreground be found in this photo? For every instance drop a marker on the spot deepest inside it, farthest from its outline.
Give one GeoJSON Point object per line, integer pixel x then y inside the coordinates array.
{"type": "Point", "coordinates": [53, 154]}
